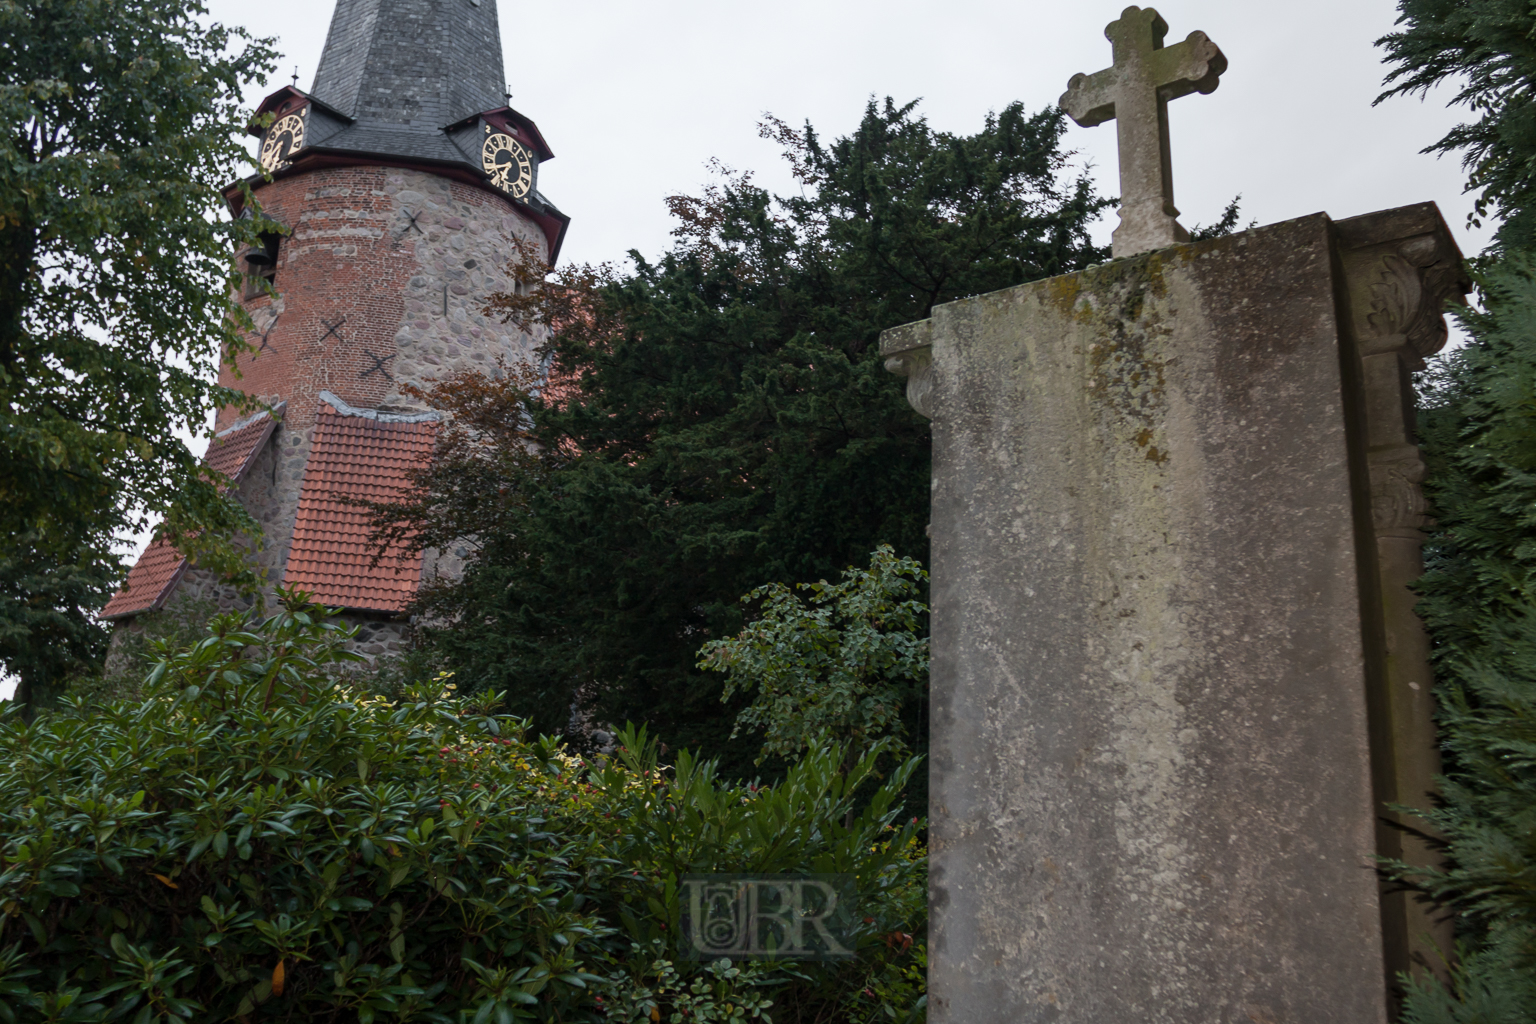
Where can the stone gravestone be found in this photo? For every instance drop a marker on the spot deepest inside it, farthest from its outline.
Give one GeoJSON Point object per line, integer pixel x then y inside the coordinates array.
{"type": "Point", "coordinates": [1176, 672]}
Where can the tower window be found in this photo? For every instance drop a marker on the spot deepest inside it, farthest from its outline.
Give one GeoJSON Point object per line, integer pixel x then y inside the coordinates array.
{"type": "Point", "coordinates": [261, 264]}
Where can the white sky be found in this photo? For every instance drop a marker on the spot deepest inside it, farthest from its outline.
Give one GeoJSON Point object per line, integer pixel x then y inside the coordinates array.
{"type": "Point", "coordinates": [635, 98]}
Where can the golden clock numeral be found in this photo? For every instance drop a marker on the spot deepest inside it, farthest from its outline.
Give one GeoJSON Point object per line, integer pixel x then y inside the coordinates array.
{"type": "Point", "coordinates": [508, 164]}
{"type": "Point", "coordinates": [283, 139]}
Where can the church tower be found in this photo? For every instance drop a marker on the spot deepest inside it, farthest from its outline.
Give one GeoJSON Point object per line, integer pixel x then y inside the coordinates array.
{"type": "Point", "coordinates": [404, 185]}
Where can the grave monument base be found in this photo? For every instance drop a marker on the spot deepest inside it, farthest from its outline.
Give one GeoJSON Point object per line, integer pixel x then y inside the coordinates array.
{"type": "Point", "coordinates": [1176, 674]}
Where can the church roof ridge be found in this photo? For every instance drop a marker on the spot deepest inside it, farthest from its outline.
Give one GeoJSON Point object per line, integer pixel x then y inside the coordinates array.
{"type": "Point", "coordinates": [276, 412]}
{"type": "Point", "coordinates": [425, 416]}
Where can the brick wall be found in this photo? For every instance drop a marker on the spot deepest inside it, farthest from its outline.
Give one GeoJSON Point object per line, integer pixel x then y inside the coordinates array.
{"type": "Point", "coordinates": [380, 283]}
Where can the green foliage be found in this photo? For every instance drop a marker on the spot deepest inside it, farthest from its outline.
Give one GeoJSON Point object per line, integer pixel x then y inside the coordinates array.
{"type": "Point", "coordinates": [1225, 224]}
{"type": "Point", "coordinates": [1482, 991]}
{"type": "Point", "coordinates": [721, 417]}
{"type": "Point", "coordinates": [47, 634]}
{"type": "Point", "coordinates": [1485, 47]}
{"type": "Point", "coordinates": [1479, 602]}
{"type": "Point", "coordinates": [122, 124]}
{"type": "Point", "coordinates": [1479, 433]}
{"type": "Point", "coordinates": [254, 840]}
{"type": "Point", "coordinates": [833, 670]}
{"type": "Point", "coordinates": [138, 645]}
{"type": "Point", "coordinates": [827, 816]}
{"type": "Point", "coordinates": [726, 996]}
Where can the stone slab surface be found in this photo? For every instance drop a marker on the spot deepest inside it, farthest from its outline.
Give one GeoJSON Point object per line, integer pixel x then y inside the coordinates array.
{"type": "Point", "coordinates": [1151, 789]}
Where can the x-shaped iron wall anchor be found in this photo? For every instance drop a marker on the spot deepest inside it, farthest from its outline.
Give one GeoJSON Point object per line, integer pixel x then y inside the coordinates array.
{"type": "Point", "coordinates": [411, 218]}
{"type": "Point", "coordinates": [378, 365]}
{"type": "Point", "coordinates": [332, 328]}
{"type": "Point", "coordinates": [265, 347]}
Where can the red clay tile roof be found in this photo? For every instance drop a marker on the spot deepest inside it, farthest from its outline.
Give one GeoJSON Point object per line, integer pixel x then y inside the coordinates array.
{"type": "Point", "coordinates": [149, 582]}
{"type": "Point", "coordinates": [158, 569]}
{"type": "Point", "coordinates": [234, 450]}
{"type": "Point", "coordinates": [361, 455]}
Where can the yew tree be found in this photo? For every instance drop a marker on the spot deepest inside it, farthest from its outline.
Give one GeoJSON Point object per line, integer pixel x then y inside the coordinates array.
{"type": "Point", "coordinates": [1484, 50]}
{"type": "Point", "coordinates": [719, 418]}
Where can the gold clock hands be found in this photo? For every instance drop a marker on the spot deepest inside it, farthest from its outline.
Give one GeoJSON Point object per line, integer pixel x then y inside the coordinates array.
{"type": "Point", "coordinates": [508, 164]}
{"type": "Point", "coordinates": [283, 139]}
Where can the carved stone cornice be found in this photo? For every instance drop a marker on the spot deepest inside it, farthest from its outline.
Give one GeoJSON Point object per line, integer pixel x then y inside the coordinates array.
{"type": "Point", "coordinates": [1401, 268]}
{"type": "Point", "coordinates": [908, 352]}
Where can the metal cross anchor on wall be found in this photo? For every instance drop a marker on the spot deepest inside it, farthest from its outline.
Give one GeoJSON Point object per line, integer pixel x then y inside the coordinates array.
{"type": "Point", "coordinates": [378, 365]}
{"type": "Point", "coordinates": [331, 329]}
{"type": "Point", "coordinates": [1135, 93]}
{"type": "Point", "coordinates": [264, 346]}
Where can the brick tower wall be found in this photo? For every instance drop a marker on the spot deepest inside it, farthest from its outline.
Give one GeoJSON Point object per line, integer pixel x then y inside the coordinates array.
{"type": "Point", "coordinates": [400, 261]}
{"type": "Point", "coordinates": [379, 284]}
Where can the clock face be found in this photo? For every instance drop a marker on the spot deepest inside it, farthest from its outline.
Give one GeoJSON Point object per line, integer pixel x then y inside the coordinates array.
{"type": "Point", "coordinates": [283, 139]}
{"type": "Point", "coordinates": [508, 163]}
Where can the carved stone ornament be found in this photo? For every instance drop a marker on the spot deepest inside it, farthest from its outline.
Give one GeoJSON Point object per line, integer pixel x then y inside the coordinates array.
{"type": "Point", "coordinates": [1401, 267]}
{"type": "Point", "coordinates": [1395, 296]}
{"type": "Point", "coordinates": [1135, 91]}
{"type": "Point", "coordinates": [1399, 288]}
{"type": "Point", "coordinates": [1397, 499]}
{"type": "Point", "coordinates": [908, 352]}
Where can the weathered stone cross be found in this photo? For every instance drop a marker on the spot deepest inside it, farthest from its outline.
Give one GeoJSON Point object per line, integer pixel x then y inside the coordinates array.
{"type": "Point", "coordinates": [1135, 92]}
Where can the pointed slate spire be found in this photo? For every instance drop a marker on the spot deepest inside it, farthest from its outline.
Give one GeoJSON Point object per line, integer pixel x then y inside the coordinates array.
{"type": "Point", "coordinates": [398, 72]}
{"type": "Point", "coordinates": [409, 83]}
{"type": "Point", "coordinates": [424, 63]}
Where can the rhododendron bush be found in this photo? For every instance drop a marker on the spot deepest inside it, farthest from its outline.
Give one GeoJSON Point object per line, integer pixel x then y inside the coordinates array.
{"type": "Point", "coordinates": [253, 840]}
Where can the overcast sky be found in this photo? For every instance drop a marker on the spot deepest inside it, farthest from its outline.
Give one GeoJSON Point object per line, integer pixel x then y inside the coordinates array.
{"type": "Point", "coordinates": [635, 98]}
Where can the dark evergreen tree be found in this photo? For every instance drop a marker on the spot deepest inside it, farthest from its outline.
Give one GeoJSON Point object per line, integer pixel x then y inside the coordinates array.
{"type": "Point", "coordinates": [1487, 48]}
{"type": "Point", "coordinates": [1478, 431]}
{"type": "Point", "coordinates": [1479, 601]}
{"type": "Point", "coordinates": [721, 419]}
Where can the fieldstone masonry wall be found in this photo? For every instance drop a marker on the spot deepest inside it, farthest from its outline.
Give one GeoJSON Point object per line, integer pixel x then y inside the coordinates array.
{"type": "Point", "coordinates": [1159, 674]}
{"type": "Point", "coordinates": [461, 259]}
{"type": "Point", "coordinates": [380, 284]}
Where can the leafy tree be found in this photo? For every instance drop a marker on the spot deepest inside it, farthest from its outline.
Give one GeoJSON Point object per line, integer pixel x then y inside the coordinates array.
{"type": "Point", "coordinates": [122, 123]}
{"type": "Point", "coordinates": [251, 839]}
{"type": "Point", "coordinates": [46, 632]}
{"type": "Point", "coordinates": [834, 669]}
{"type": "Point", "coordinates": [1485, 47]}
{"type": "Point", "coordinates": [720, 417]}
